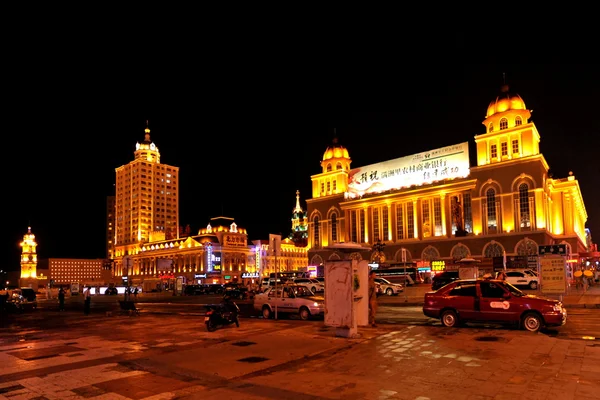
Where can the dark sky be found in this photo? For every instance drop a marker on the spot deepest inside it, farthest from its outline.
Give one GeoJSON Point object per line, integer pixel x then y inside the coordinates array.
{"type": "Point", "coordinates": [245, 143]}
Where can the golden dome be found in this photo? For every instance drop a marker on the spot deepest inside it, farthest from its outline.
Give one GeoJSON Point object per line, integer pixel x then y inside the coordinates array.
{"type": "Point", "coordinates": [335, 151]}
{"type": "Point", "coordinates": [504, 102]}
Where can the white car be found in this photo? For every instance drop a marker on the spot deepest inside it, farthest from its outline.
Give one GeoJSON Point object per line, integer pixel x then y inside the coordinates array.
{"type": "Point", "coordinates": [389, 288]}
{"type": "Point", "coordinates": [290, 299]}
{"type": "Point", "coordinates": [522, 278]}
{"type": "Point", "coordinates": [312, 284]}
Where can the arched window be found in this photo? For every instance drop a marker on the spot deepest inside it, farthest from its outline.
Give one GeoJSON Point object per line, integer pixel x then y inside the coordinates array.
{"type": "Point", "coordinates": [527, 247]}
{"type": "Point", "coordinates": [459, 252]}
{"type": "Point", "coordinates": [524, 210]}
{"type": "Point", "coordinates": [493, 249]}
{"type": "Point", "coordinates": [334, 236]}
{"type": "Point", "coordinates": [338, 166]}
{"type": "Point", "coordinates": [503, 123]}
{"type": "Point", "coordinates": [430, 253]}
{"type": "Point", "coordinates": [328, 167]}
{"type": "Point", "coordinates": [317, 229]}
{"type": "Point", "coordinates": [492, 223]}
{"type": "Point", "coordinates": [518, 120]}
{"type": "Point", "coordinates": [491, 128]}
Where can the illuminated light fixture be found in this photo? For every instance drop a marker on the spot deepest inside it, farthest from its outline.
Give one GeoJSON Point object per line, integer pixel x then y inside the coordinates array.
{"type": "Point", "coordinates": [588, 338]}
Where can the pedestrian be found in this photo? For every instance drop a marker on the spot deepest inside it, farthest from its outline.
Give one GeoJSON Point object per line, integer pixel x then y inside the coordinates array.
{"type": "Point", "coordinates": [501, 275]}
{"type": "Point", "coordinates": [372, 298]}
{"type": "Point", "coordinates": [135, 292]}
{"type": "Point", "coordinates": [61, 299]}
{"type": "Point", "coordinates": [87, 300]}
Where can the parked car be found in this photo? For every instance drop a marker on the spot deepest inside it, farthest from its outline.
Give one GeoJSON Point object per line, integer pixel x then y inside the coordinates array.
{"type": "Point", "coordinates": [17, 300]}
{"type": "Point", "coordinates": [522, 278]}
{"type": "Point", "coordinates": [214, 288]}
{"type": "Point", "coordinates": [111, 291]}
{"type": "Point", "coordinates": [389, 288]}
{"type": "Point", "coordinates": [191, 290]}
{"type": "Point", "coordinates": [491, 300]}
{"type": "Point", "coordinates": [236, 291]}
{"type": "Point", "coordinates": [443, 278]}
{"type": "Point", "coordinates": [312, 284]}
{"type": "Point", "coordinates": [290, 299]}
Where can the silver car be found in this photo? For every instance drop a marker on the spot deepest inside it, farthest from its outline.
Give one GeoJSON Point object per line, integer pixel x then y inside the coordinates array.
{"type": "Point", "coordinates": [290, 299]}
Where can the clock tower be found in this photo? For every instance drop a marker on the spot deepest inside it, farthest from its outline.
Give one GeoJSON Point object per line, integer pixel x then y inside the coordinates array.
{"type": "Point", "coordinates": [28, 261]}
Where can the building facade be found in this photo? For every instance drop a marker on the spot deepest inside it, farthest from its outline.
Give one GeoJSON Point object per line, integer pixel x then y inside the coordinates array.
{"type": "Point", "coordinates": [435, 206]}
{"type": "Point", "coordinates": [146, 199]}
{"type": "Point", "coordinates": [148, 249]}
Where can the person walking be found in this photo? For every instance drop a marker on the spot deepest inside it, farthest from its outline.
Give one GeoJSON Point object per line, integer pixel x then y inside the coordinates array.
{"type": "Point", "coordinates": [372, 298]}
{"type": "Point", "coordinates": [87, 300]}
{"type": "Point", "coordinates": [61, 299]}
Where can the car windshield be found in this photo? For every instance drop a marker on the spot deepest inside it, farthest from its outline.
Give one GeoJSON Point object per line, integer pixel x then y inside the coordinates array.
{"type": "Point", "coordinates": [513, 290]}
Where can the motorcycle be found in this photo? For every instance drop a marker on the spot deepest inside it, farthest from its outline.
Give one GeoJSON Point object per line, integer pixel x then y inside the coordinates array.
{"type": "Point", "coordinates": [221, 315]}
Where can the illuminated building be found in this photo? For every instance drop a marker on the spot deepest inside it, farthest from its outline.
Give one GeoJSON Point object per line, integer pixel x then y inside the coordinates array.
{"type": "Point", "coordinates": [435, 206]}
{"type": "Point", "coordinates": [64, 271]}
{"type": "Point", "coordinates": [146, 201]}
{"type": "Point", "coordinates": [29, 261]}
{"type": "Point", "coordinates": [110, 227]}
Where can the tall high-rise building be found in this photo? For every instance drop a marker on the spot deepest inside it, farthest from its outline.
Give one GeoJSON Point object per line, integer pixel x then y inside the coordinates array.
{"type": "Point", "coordinates": [146, 199]}
{"type": "Point", "coordinates": [110, 227]}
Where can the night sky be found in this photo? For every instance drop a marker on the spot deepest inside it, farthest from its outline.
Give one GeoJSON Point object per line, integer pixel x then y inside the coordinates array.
{"type": "Point", "coordinates": [245, 144]}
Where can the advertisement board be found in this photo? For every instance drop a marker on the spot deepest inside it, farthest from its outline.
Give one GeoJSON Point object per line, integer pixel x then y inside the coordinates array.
{"type": "Point", "coordinates": [418, 169]}
{"type": "Point", "coordinates": [553, 275]}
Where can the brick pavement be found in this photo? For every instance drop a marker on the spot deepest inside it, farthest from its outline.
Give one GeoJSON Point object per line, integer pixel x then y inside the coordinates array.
{"type": "Point", "coordinates": [172, 357]}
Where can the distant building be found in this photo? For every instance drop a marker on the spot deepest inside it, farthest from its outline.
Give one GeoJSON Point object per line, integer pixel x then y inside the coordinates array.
{"type": "Point", "coordinates": [92, 272]}
{"type": "Point", "coordinates": [434, 206]}
{"type": "Point", "coordinates": [110, 227]}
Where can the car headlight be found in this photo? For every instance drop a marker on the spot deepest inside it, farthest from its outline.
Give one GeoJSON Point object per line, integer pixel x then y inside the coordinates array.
{"type": "Point", "coordinates": [315, 304]}
{"type": "Point", "coordinates": [557, 308]}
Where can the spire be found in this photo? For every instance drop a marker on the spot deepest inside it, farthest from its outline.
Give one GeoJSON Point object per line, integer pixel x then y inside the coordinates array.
{"type": "Point", "coordinates": [147, 131]}
{"type": "Point", "coordinates": [298, 208]}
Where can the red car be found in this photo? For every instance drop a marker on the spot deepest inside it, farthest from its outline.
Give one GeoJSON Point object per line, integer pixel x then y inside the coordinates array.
{"type": "Point", "coordinates": [490, 300]}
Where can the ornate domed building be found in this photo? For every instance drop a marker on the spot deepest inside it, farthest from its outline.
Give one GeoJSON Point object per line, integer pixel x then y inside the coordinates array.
{"type": "Point", "coordinates": [435, 206]}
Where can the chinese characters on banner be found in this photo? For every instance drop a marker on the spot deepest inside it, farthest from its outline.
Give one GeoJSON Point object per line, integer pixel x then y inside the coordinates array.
{"type": "Point", "coordinates": [435, 165]}
{"type": "Point", "coordinates": [553, 274]}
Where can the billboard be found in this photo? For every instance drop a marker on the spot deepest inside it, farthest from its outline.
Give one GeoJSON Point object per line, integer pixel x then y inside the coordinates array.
{"type": "Point", "coordinates": [419, 169]}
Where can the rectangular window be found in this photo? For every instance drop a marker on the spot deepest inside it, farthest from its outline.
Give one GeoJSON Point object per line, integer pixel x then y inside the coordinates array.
{"type": "Point", "coordinates": [425, 215]}
{"type": "Point", "coordinates": [410, 221]}
{"type": "Point", "coordinates": [468, 214]}
{"type": "Point", "coordinates": [494, 151]}
{"type": "Point", "coordinates": [504, 148]}
{"type": "Point", "coordinates": [334, 186]}
{"type": "Point", "coordinates": [362, 226]}
{"type": "Point", "coordinates": [375, 214]}
{"type": "Point", "coordinates": [437, 216]}
{"type": "Point", "coordinates": [384, 222]}
{"type": "Point", "coordinates": [515, 147]}
{"type": "Point", "coordinates": [399, 221]}
{"type": "Point", "coordinates": [353, 227]}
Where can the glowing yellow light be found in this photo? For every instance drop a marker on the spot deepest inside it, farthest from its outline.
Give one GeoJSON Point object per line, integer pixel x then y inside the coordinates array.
{"type": "Point", "coordinates": [588, 338]}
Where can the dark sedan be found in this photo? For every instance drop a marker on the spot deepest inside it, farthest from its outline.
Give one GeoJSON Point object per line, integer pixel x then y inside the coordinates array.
{"type": "Point", "coordinates": [443, 278]}
{"type": "Point", "coordinates": [491, 300]}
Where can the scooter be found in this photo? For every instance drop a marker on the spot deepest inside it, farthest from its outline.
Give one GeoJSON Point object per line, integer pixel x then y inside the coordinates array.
{"type": "Point", "coordinates": [221, 315]}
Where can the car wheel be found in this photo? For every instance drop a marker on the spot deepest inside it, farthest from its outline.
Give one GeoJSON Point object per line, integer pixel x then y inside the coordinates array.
{"type": "Point", "coordinates": [531, 322]}
{"type": "Point", "coordinates": [389, 292]}
{"type": "Point", "coordinates": [533, 285]}
{"type": "Point", "coordinates": [266, 312]}
{"type": "Point", "coordinates": [449, 318]}
{"type": "Point", "coordinates": [304, 314]}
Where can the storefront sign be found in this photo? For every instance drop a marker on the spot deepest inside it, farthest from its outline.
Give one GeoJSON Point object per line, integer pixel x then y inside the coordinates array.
{"type": "Point", "coordinates": [553, 274]}
{"type": "Point", "coordinates": [199, 276]}
{"type": "Point", "coordinates": [250, 275]}
{"type": "Point", "coordinates": [438, 266]}
{"type": "Point", "coordinates": [419, 169]}
{"type": "Point", "coordinates": [234, 240]}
